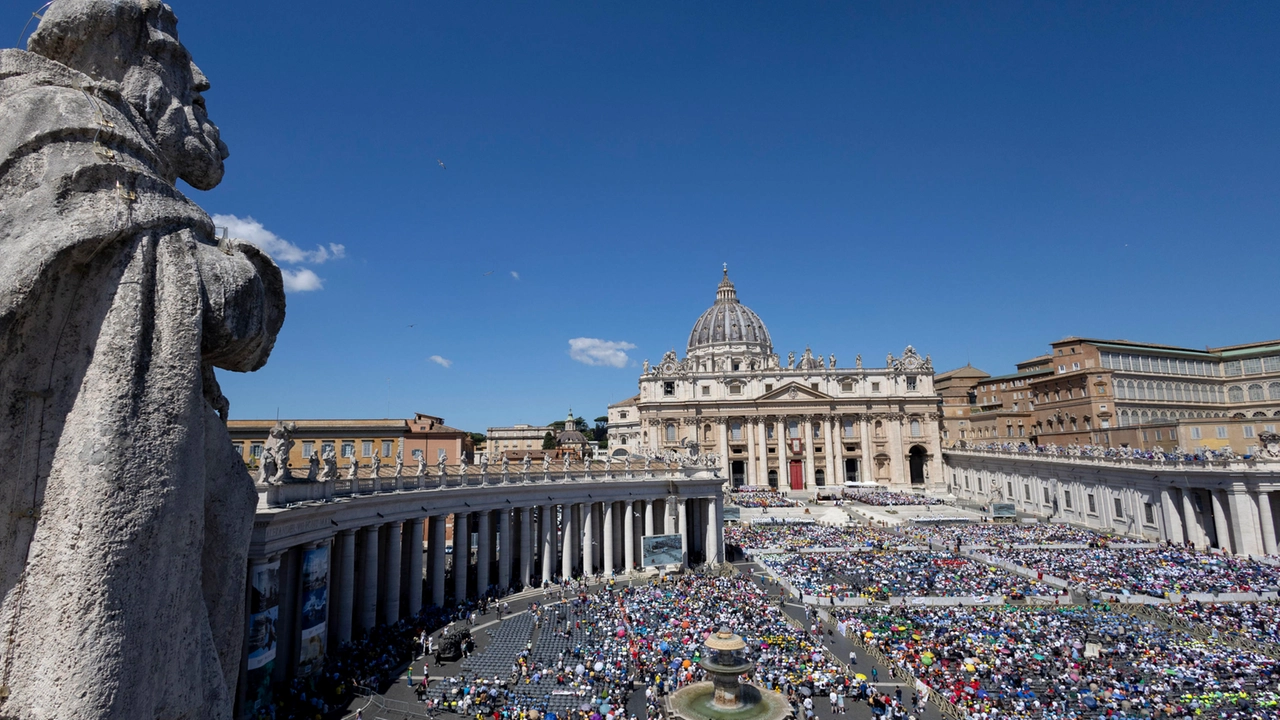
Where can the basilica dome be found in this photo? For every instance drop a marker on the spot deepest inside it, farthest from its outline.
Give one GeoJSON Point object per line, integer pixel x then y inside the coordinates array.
{"type": "Point", "coordinates": [729, 322]}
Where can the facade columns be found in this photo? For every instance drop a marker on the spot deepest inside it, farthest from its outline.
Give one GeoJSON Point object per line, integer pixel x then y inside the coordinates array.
{"type": "Point", "coordinates": [827, 451]}
{"type": "Point", "coordinates": [526, 546]}
{"type": "Point", "coordinates": [1172, 523]}
{"type": "Point", "coordinates": [1220, 522]}
{"type": "Point", "coordinates": [762, 449]}
{"type": "Point", "coordinates": [547, 528]}
{"type": "Point", "coordinates": [629, 535]}
{"type": "Point", "coordinates": [751, 475]}
{"type": "Point", "coordinates": [712, 549]}
{"type": "Point", "coordinates": [1267, 521]}
{"type": "Point", "coordinates": [391, 573]}
{"type": "Point", "coordinates": [683, 525]}
{"type": "Point", "coordinates": [437, 560]}
{"type": "Point", "coordinates": [461, 556]}
{"type": "Point", "coordinates": [866, 462]}
{"type": "Point", "coordinates": [369, 568]}
{"type": "Point", "coordinates": [806, 433]}
{"type": "Point", "coordinates": [505, 548]}
{"type": "Point", "coordinates": [415, 566]}
{"type": "Point", "coordinates": [346, 583]}
{"type": "Point", "coordinates": [725, 465]}
{"type": "Point", "coordinates": [1244, 524]}
{"type": "Point", "coordinates": [1195, 530]}
{"type": "Point", "coordinates": [566, 540]}
{"type": "Point", "coordinates": [837, 448]}
{"type": "Point", "coordinates": [607, 532]}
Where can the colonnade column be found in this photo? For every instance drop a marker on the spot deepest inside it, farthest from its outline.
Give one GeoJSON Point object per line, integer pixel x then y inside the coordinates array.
{"type": "Point", "coordinates": [547, 523]}
{"type": "Point", "coordinates": [629, 536]}
{"type": "Point", "coordinates": [607, 531]}
{"type": "Point", "coordinates": [1244, 524]}
{"type": "Point", "coordinates": [346, 583]}
{"type": "Point", "coordinates": [1195, 531]}
{"type": "Point", "coordinates": [526, 546]}
{"type": "Point", "coordinates": [682, 524]}
{"type": "Point", "coordinates": [566, 543]}
{"type": "Point", "coordinates": [505, 548]}
{"type": "Point", "coordinates": [391, 572]}
{"type": "Point", "coordinates": [438, 556]}
{"type": "Point", "coordinates": [1220, 522]}
{"type": "Point", "coordinates": [415, 566]}
{"type": "Point", "coordinates": [588, 513]}
{"type": "Point", "coordinates": [1172, 522]}
{"type": "Point", "coordinates": [461, 556]}
{"type": "Point", "coordinates": [369, 589]}
{"type": "Point", "coordinates": [484, 551]}
{"type": "Point", "coordinates": [1267, 520]}
{"type": "Point", "coordinates": [648, 517]}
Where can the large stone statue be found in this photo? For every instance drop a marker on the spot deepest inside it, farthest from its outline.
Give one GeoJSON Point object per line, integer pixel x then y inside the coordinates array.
{"type": "Point", "coordinates": [125, 513]}
{"type": "Point", "coordinates": [328, 465]}
{"type": "Point", "coordinates": [280, 444]}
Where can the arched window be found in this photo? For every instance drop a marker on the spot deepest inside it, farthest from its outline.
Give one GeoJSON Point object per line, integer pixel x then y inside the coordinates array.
{"type": "Point", "coordinates": [706, 434]}
{"type": "Point", "coordinates": [1273, 391]}
{"type": "Point", "coordinates": [1255, 392]}
{"type": "Point", "coordinates": [1132, 390]}
{"type": "Point", "coordinates": [1235, 394]}
{"type": "Point", "coordinates": [671, 432]}
{"type": "Point", "coordinates": [879, 429]}
{"type": "Point", "coordinates": [1119, 390]}
{"type": "Point", "coordinates": [793, 428]}
{"type": "Point", "coordinates": [915, 428]}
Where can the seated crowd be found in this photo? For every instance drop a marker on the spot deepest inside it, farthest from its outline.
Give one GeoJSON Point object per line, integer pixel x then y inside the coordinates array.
{"type": "Point", "coordinates": [879, 575]}
{"type": "Point", "coordinates": [1157, 453]}
{"type": "Point", "coordinates": [805, 536]}
{"type": "Point", "coordinates": [1067, 662]}
{"type": "Point", "coordinates": [1152, 572]}
{"type": "Point", "coordinates": [887, 498]}
{"type": "Point", "coordinates": [1004, 535]}
{"type": "Point", "coordinates": [1258, 622]}
{"type": "Point", "coordinates": [748, 497]}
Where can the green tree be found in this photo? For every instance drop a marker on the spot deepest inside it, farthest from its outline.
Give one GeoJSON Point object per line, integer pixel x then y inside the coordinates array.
{"type": "Point", "coordinates": [602, 428]}
{"type": "Point", "coordinates": [478, 439]}
{"type": "Point", "coordinates": [548, 441]}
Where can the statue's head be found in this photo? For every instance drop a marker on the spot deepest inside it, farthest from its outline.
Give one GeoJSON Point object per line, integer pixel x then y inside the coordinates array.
{"type": "Point", "coordinates": [134, 44]}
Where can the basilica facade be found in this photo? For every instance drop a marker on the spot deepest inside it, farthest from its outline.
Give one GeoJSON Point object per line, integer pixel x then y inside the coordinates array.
{"type": "Point", "coordinates": [801, 425]}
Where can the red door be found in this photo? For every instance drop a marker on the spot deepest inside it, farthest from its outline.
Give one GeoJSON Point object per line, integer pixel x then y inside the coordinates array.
{"type": "Point", "coordinates": [797, 475]}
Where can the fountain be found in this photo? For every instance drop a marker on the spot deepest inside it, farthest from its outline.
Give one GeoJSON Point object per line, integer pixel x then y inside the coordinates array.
{"type": "Point", "coordinates": [724, 697]}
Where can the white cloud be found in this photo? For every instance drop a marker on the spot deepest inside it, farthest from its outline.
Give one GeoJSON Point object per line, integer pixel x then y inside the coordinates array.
{"type": "Point", "coordinates": [515, 274]}
{"type": "Point", "coordinates": [301, 280]}
{"type": "Point", "coordinates": [280, 250]}
{"type": "Point", "coordinates": [442, 362]}
{"type": "Point", "coordinates": [605, 353]}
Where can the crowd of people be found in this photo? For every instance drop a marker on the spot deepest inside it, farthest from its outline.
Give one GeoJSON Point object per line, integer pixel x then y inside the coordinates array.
{"type": "Point", "coordinates": [1157, 453]}
{"type": "Point", "coordinates": [1153, 571]}
{"type": "Point", "coordinates": [748, 497]}
{"type": "Point", "coordinates": [1067, 662]}
{"type": "Point", "coordinates": [879, 575]}
{"type": "Point", "coordinates": [806, 536]}
{"type": "Point", "coordinates": [887, 498]}
{"type": "Point", "coordinates": [1257, 622]}
{"type": "Point", "coordinates": [1004, 535]}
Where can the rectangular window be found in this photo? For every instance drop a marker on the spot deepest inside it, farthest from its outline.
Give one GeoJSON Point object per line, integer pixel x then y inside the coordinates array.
{"type": "Point", "coordinates": [1119, 508]}
{"type": "Point", "coordinates": [1222, 432]}
{"type": "Point", "coordinates": [668, 389]}
{"type": "Point", "coordinates": [1026, 492]}
{"type": "Point", "coordinates": [1150, 511]}
{"type": "Point", "coordinates": [911, 382]}
{"type": "Point", "coordinates": [1075, 366]}
{"type": "Point", "coordinates": [239, 448]}
{"type": "Point", "coordinates": [1093, 503]}
{"type": "Point", "coordinates": [1195, 433]}
{"type": "Point", "coordinates": [1248, 431]}
{"type": "Point", "coordinates": [255, 450]}
{"type": "Point", "coordinates": [348, 448]}
{"type": "Point", "coordinates": [735, 431]}
{"type": "Point", "coordinates": [817, 430]}
{"type": "Point", "coordinates": [768, 431]}
{"type": "Point", "coordinates": [1066, 498]}
{"type": "Point", "coordinates": [875, 387]}
{"type": "Point", "coordinates": [326, 447]}
{"type": "Point", "coordinates": [793, 428]}
{"type": "Point", "coordinates": [1047, 499]}
{"type": "Point", "coordinates": [846, 427]}
{"type": "Point", "coordinates": [768, 387]}
{"type": "Point", "coordinates": [1009, 489]}
{"type": "Point", "coordinates": [846, 386]}
{"type": "Point", "coordinates": [1231, 368]}
{"type": "Point", "coordinates": [1252, 365]}
{"type": "Point", "coordinates": [366, 448]}
{"type": "Point", "coordinates": [386, 448]}
{"type": "Point", "coordinates": [813, 387]}
{"type": "Point", "coordinates": [307, 448]}
{"type": "Point", "coordinates": [706, 390]}
{"type": "Point", "coordinates": [735, 389]}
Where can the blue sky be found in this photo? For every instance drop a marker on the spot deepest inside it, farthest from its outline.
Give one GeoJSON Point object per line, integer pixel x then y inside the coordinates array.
{"type": "Point", "coordinates": [975, 181]}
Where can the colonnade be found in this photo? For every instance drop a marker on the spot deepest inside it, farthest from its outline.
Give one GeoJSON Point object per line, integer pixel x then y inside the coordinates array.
{"type": "Point", "coordinates": [382, 566]}
{"type": "Point", "coordinates": [1236, 520]}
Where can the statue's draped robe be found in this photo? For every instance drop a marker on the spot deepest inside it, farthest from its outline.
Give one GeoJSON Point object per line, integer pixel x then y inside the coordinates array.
{"type": "Point", "coordinates": [125, 514]}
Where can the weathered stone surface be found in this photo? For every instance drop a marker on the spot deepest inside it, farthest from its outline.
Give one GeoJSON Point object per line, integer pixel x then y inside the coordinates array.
{"type": "Point", "coordinates": [124, 513]}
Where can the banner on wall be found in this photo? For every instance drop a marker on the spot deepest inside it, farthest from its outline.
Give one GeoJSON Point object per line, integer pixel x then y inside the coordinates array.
{"type": "Point", "coordinates": [315, 609]}
{"type": "Point", "coordinates": [264, 612]}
